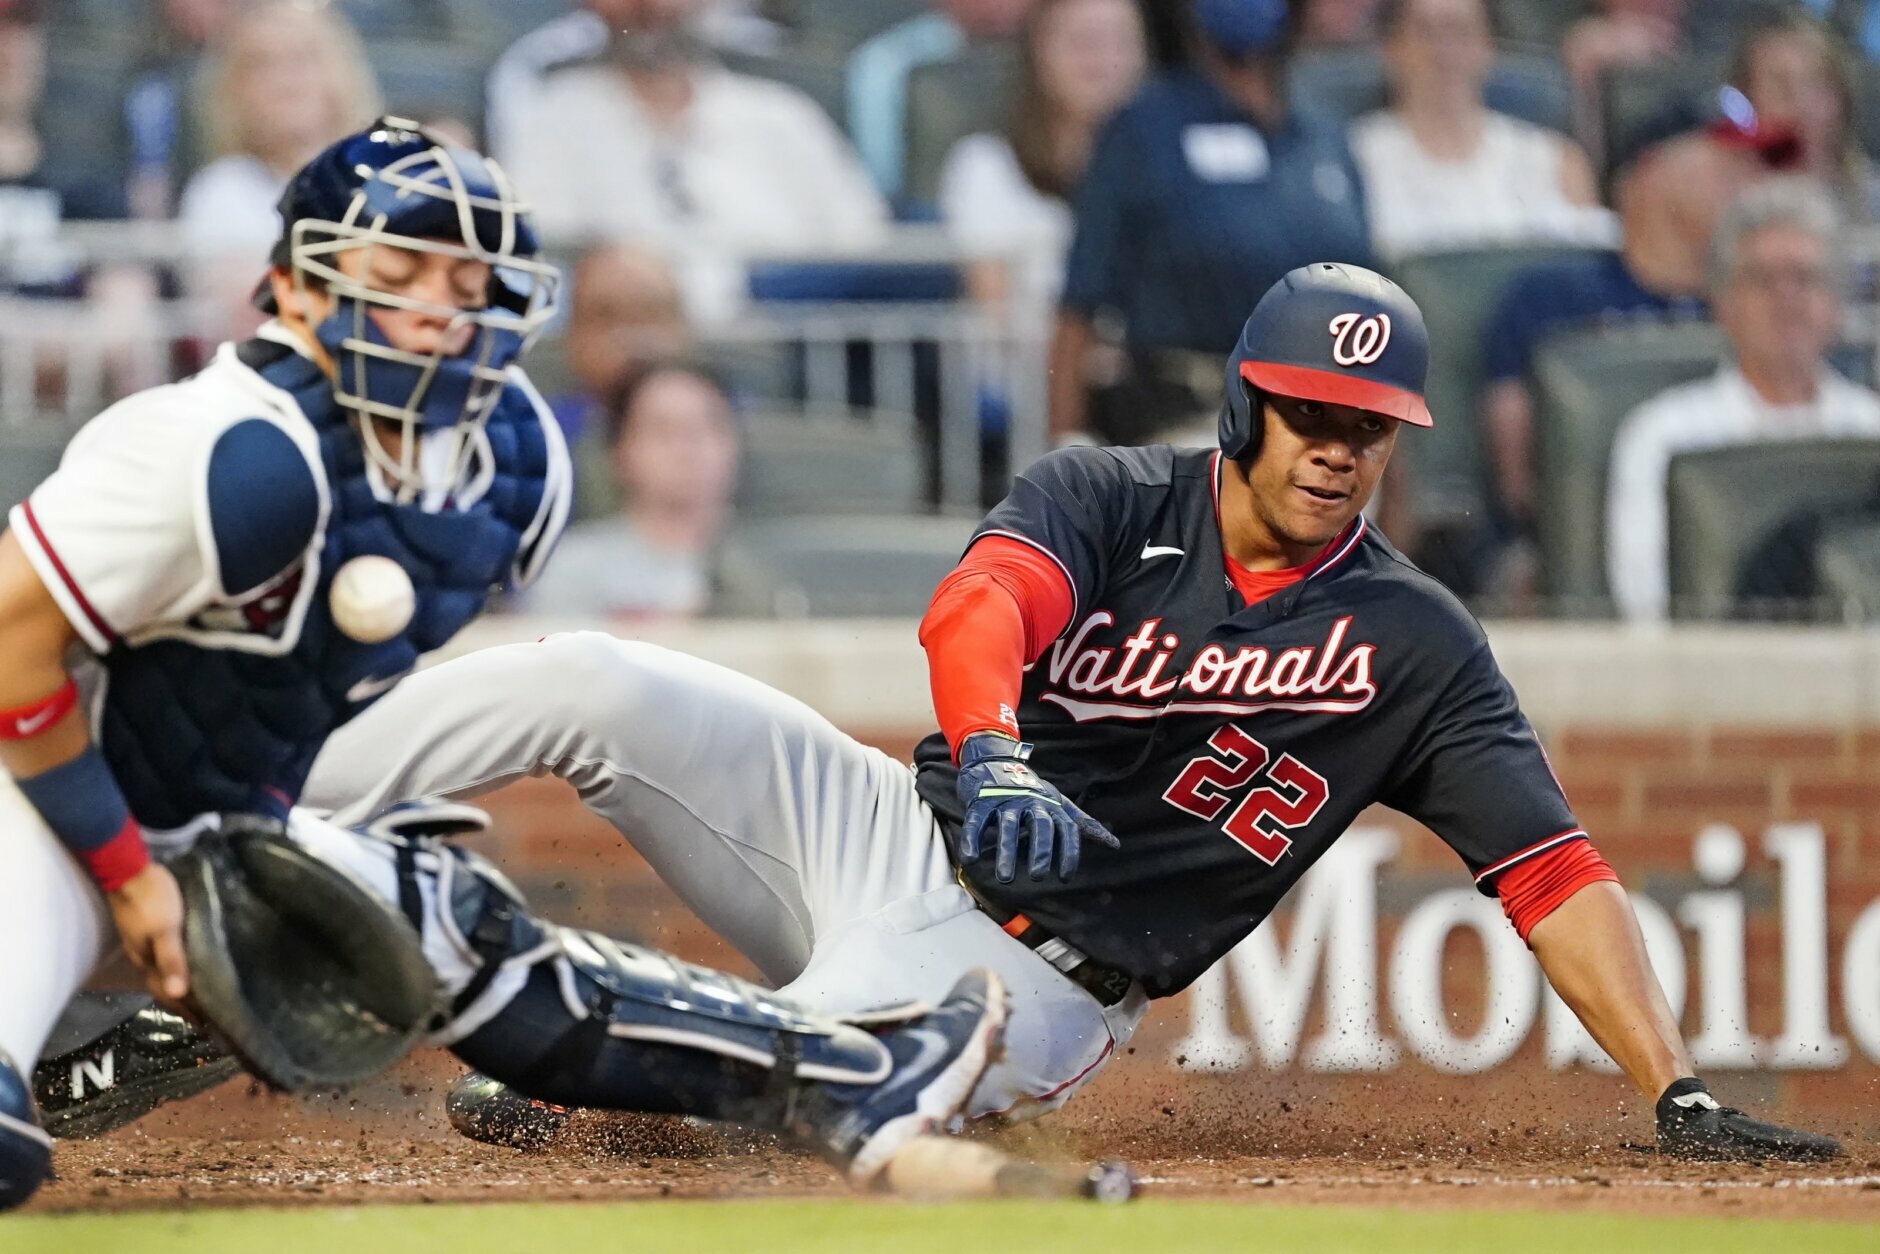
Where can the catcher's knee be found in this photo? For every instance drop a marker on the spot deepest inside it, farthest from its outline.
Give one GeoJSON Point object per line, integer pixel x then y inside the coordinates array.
{"type": "Point", "coordinates": [25, 1149]}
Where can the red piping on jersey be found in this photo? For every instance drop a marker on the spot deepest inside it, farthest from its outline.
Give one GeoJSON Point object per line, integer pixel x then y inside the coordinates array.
{"type": "Point", "coordinates": [1108, 1047]}
{"type": "Point", "coordinates": [1495, 868]}
{"type": "Point", "coordinates": [1356, 530]}
{"type": "Point", "coordinates": [45, 546]}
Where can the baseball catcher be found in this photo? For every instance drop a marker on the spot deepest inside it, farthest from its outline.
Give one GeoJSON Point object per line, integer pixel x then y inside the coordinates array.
{"type": "Point", "coordinates": [179, 635]}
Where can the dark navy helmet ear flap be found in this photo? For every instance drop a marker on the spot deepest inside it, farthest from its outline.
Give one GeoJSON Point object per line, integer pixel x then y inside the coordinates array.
{"type": "Point", "coordinates": [1328, 332]}
{"type": "Point", "coordinates": [1243, 416]}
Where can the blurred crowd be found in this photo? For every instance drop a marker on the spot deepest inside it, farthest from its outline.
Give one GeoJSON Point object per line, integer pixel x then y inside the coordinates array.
{"type": "Point", "coordinates": [1641, 231]}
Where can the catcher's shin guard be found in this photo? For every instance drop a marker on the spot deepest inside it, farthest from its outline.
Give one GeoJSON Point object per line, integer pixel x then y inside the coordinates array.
{"type": "Point", "coordinates": [577, 1019]}
{"type": "Point", "coordinates": [25, 1149]}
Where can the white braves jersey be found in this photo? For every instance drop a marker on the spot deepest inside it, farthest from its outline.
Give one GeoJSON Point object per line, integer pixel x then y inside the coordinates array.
{"type": "Point", "coordinates": [123, 533]}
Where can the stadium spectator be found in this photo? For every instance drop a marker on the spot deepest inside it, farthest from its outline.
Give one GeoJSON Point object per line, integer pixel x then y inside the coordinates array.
{"type": "Point", "coordinates": [624, 312]}
{"type": "Point", "coordinates": [284, 82]}
{"type": "Point", "coordinates": [1444, 171]}
{"type": "Point", "coordinates": [165, 142]}
{"type": "Point", "coordinates": [1338, 23]}
{"type": "Point", "coordinates": [657, 145]}
{"type": "Point", "coordinates": [39, 185]}
{"type": "Point", "coordinates": [1798, 79]}
{"type": "Point", "coordinates": [1669, 197]}
{"type": "Point", "coordinates": [1201, 192]}
{"type": "Point", "coordinates": [878, 71]}
{"type": "Point", "coordinates": [42, 186]}
{"type": "Point", "coordinates": [1772, 281]}
{"type": "Point", "coordinates": [582, 35]}
{"type": "Point", "coordinates": [1003, 195]}
{"type": "Point", "coordinates": [673, 450]}
{"type": "Point", "coordinates": [1619, 34]}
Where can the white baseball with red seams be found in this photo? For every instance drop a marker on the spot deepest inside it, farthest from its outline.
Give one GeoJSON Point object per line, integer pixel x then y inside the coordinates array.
{"type": "Point", "coordinates": [808, 851]}
{"type": "Point", "coordinates": [371, 599]}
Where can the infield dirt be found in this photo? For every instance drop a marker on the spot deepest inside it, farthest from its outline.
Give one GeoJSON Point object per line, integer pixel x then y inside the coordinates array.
{"type": "Point", "coordinates": [1205, 1139]}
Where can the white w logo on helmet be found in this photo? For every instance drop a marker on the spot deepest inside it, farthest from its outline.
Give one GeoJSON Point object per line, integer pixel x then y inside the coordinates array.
{"type": "Point", "coordinates": [1358, 340]}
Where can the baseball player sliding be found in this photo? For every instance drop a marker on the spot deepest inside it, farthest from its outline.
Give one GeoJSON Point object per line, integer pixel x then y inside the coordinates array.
{"type": "Point", "coordinates": [224, 571]}
{"type": "Point", "coordinates": [1166, 681]}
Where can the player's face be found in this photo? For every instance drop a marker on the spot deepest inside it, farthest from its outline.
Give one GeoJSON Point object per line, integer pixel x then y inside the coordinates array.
{"type": "Point", "coordinates": [443, 284]}
{"type": "Point", "coordinates": [1318, 466]}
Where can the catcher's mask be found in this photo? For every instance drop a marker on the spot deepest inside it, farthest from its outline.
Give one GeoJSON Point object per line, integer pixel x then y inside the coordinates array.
{"type": "Point", "coordinates": [396, 184]}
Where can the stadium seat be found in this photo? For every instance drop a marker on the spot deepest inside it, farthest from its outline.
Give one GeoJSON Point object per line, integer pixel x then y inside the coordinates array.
{"type": "Point", "coordinates": [1725, 505]}
{"type": "Point", "coordinates": [27, 456]}
{"type": "Point", "coordinates": [949, 100]}
{"type": "Point", "coordinates": [1348, 82]}
{"type": "Point", "coordinates": [430, 20]}
{"type": "Point", "coordinates": [855, 565]}
{"type": "Point", "coordinates": [1586, 382]}
{"type": "Point", "coordinates": [845, 22]}
{"type": "Point", "coordinates": [1847, 570]}
{"type": "Point", "coordinates": [1540, 22]}
{"type": "Point", "coordinates": [495, 24]}
{"type": "Point", "coordinates": [1457, 291]}
{"type": "Point", "coordinates": [830, 464]}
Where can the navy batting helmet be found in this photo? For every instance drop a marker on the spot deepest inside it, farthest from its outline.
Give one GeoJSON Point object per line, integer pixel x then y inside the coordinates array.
{"type": "Point", "coordinates": [1327, 332]}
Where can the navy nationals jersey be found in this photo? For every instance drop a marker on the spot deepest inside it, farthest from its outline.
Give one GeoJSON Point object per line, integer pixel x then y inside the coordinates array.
{"type": "Point", "coordinates": [1229, 745]}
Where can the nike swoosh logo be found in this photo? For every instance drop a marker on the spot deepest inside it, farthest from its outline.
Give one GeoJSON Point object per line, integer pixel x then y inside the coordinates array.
{"type": "Point", "coordinates": [932, 1047]}
{"type": "Point", "coordinates": [372, 686]}
{"type": "Point", "coordinates": [1159, 550]}
{"type": "Point", "coordinates": [37, 723]}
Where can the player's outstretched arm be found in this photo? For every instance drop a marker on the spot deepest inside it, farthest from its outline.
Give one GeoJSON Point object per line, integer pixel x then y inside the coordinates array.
{"type": "Point", "coordinates": [46, 747]}
{"type": "Point", "coordinates": [1594, 955]}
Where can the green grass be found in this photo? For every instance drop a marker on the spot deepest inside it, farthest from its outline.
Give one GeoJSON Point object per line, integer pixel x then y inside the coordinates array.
{"type": "Point", "coordinates": [986, 1228]}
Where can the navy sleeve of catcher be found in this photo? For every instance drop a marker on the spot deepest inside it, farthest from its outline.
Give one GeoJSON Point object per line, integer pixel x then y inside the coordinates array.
{"type": "Point", "coordinates": [1477, 777]}
{"type": "Point", "coordinates": [1068, 505]}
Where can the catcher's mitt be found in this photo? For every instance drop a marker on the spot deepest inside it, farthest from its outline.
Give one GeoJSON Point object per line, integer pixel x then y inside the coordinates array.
{"type": "Point", "coordinates": [312, 980]}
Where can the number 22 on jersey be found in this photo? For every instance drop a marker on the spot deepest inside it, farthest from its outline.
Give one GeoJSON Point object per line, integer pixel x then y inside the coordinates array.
{"type": "Point", "coordinates": [1292, 795]}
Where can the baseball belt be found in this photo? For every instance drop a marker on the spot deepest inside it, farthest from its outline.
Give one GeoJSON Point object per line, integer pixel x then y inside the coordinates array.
{"type": "Point", "coordinates": [1107, 984]}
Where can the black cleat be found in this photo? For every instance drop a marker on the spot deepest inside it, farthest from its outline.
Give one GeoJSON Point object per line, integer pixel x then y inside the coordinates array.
{"type": "Point", "coordinates": [150, 1058]}
{"type": "Point", "coordinates": [490, 1111]}
{"type": "Point", "coordinates": [938, 1060]}
{"type": "Point", "coordinates": [1691, 1124]}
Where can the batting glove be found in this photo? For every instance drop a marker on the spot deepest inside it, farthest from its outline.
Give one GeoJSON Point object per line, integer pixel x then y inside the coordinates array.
{"type": "Point", "coordinates": [1692, 1125]}
{"type": "Point", "coordinates": [1001, 792]}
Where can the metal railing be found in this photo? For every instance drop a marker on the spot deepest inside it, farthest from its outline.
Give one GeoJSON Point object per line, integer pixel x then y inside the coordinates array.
{"type": "Point", "coordinates": [59, 367]}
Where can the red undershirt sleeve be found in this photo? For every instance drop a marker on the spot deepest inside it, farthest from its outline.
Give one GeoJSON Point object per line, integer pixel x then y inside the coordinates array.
{"type": "Point", "coordinates": [996, 613]}
{"type": "Point", "coordinates": [1534, 889]}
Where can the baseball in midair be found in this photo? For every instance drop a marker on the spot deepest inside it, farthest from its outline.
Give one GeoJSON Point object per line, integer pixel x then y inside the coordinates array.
{"type": "Point", "coordinates": [372, 599]}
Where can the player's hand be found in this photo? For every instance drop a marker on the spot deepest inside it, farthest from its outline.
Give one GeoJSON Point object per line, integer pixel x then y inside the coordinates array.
{"type": "Point", "coordinates": [1692, 1125]}
{"type": "Point", "coordinates": [1001, 792]}
{"type": "Point", "coordinates": [148, 911]}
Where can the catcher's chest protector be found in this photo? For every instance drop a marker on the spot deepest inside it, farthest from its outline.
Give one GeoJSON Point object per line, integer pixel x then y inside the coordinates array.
{"type": "Point", "coordinates": [192, 727]}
